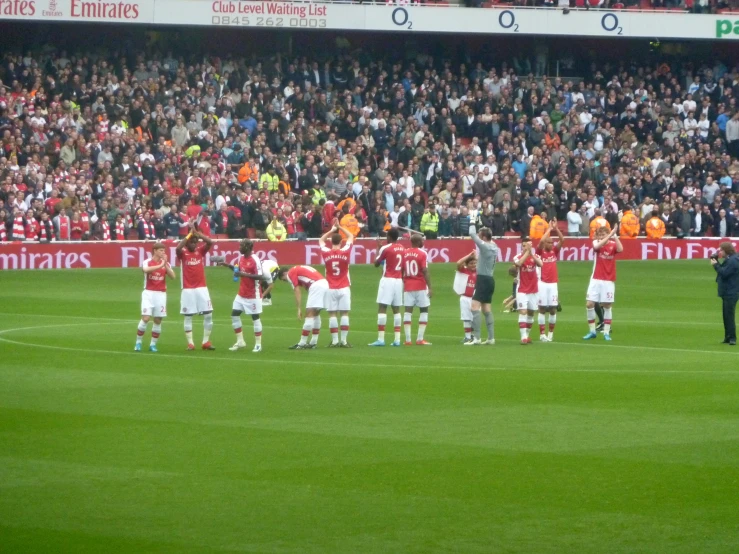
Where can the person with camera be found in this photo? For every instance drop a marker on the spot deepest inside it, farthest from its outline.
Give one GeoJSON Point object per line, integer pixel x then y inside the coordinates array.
{"type": "Point", "coordinates": [727, 277]}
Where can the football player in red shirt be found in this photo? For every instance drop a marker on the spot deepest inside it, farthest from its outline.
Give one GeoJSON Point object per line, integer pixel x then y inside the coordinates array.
{"type": "Point", "coordinates": [527, 295]}
{"type": "Point", "coordinates": [249, 298]}
{"type": "Point", "coordinates": [390, 291]}
{"type": "Point", "coordinates": [464, 285]}
{"type": "Point", "coordinates": [338, 297]}
{"type": "Point", "coordinates": [154, 297]}
{"type": "Point", "coordinates": [195, 297]}
{"type": "Point", "coordinates": [317, 287]}
{"type": "Point", "coordinates": [602, 287]}
{"type": "Point", "coordinates": [417, 285]}
{"type": "Point", "coordinates": [548, 251]}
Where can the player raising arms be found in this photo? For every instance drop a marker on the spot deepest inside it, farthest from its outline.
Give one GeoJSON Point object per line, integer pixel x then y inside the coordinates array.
{"type": "Point", "coordinates": [308, 278]}
{"type": "Point", "coordinates": [249, 298]}
{"type": "Point", "coordinates": [528, 287]}
{"type": "Point", "coordinates": [154, 297]}
{"type": "Point", "coordinates": [548, 251]}
{"type": "Point", "coordinates": [390, 291]}
{"type": "Point", "coordinates": [417, 285]}
{"type": "Point", "coordinates": [339, 295]}
{"type": "Point", "coordinates": [602, 287]}
{"type": "Point", "coordinates": [485, 285]}
{"type": "Point", "coordinates": [195, 297]}
{"type": "Point", "coordinates": [464, 286]}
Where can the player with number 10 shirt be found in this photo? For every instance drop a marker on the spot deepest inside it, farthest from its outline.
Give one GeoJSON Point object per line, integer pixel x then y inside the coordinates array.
{"type": "Point", "coordinates": [417, 285]}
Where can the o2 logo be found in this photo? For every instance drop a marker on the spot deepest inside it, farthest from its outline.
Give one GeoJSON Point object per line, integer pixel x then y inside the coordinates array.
{"type": "Point", "coordinates": [609, 22]}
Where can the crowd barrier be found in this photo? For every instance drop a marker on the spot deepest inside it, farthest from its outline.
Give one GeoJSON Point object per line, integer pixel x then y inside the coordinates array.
{"type": "Point", "coordinates": [94, 255]}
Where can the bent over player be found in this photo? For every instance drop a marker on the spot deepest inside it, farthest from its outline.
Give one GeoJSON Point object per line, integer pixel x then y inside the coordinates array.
{"type": "Point", "coordinates": [602, 287]}
{"type": "Point", "coordinates": [311, 280]}
{"type": "Point", "coordinates": [195, 299]}
{"type": "Point", "coordinates": [154, 297]}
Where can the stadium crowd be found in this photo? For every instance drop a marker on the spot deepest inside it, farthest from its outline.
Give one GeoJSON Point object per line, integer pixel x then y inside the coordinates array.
{"type": "Point", "coordinates": [110, 148]}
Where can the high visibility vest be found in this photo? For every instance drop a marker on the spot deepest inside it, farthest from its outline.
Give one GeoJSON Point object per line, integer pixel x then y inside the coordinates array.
{"type": "Point", "coordinates": [537, 228]}
{"type": "Point", "coordinates": [269, 182]}
{"type": "Point", "coordinates": [430, 222]}
{"type": "Point", "coordinates": [599, 221]}
{"type": "Point", "coordinates": [655, 228]}
{"type": "Point", "coordinates": [629, 228]}
{"type": "Point", "coordinates": [350, 223]}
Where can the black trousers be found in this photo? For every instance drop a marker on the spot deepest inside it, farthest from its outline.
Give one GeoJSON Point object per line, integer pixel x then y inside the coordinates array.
{"type": "Point", "coordinates": [729, 311]}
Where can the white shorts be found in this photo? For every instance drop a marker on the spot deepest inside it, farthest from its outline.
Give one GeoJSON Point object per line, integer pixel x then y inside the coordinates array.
{"type": "Point", "coordinates": [601, 291]}
{"type": "Point", "coordinates": [465, 308]}
{"type": "Point", "coordinates": [416, 299]}
{"type": "Point", "coordinates": [390, 292]}
{"type": "Point", "coordinates": [154, 303]}
{"type": "Point", "coordinates": [339, 300]}
{"type": "Point", "coordinates": [317, 295]}
{"type": "Point", "coordinates": [548, 294]}
{"type": "Point", "coordinates": [527, 301]}
{"type": "Point", "coordinates": [195, 301]}
{"type": "Point", "coordinates": [250, 306]}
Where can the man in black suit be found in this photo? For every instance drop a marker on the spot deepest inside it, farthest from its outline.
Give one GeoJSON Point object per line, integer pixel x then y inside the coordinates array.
{"type": "Point", "coordinates": [727, 277]}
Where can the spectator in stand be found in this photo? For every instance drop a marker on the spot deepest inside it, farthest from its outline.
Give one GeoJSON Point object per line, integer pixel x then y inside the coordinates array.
{"type": "Point", "coordinates": [276, 231]}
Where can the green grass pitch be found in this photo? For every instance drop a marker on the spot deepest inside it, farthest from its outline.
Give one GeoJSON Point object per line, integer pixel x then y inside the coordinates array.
{"type": "Point", "coordinates": [570, 447]}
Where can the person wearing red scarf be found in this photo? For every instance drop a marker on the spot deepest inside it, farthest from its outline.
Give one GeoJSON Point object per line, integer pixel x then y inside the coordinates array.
{"type": "Point", "coordinates": [19, 226]}
{"type": "Point", "coordinates": [32, 227]}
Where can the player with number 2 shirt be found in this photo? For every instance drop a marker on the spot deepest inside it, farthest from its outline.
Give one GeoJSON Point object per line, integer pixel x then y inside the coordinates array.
{"type": "Point", "coordinates": [390, 291]}
{"type": "Point", "coordinates": [154, 297]}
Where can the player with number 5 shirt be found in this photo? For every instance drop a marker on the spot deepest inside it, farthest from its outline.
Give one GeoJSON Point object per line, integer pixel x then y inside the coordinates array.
{"type": "Point", "coordinates": [339, 296]}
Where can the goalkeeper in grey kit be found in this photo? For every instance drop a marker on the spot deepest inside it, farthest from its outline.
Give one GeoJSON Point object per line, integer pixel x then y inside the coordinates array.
{"type": "Point", "coordinates": [485, 287]}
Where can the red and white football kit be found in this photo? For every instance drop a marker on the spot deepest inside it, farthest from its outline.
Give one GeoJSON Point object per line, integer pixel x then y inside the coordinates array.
{"type": "Point", "coordinates": [390, 291]}
{"type": "Point", "coordinates": [337, 262]}
{"type": "Point", "coordinates": [527, 295]}
{"type": "Point", "coordinates": [548, 278]}
{"type": "Point", "coordinates": [464, 286]}
{"type": "Point", "coordinates": [154, 295]}
{"type": "Point", "coordinates": [602, 287]}
{"type": "Point", "coordinates": [312, 281]}
{"type": "Point", "coordinates": [249, 298]}
{"type": "Point", "coordinates": [416, 294]}
{"type": "Point", "coordinates": [195, 298]}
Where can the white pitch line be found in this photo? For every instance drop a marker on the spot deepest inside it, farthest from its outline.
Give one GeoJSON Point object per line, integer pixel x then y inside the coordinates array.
{"type": "Point", "coordinates": [384, 365]}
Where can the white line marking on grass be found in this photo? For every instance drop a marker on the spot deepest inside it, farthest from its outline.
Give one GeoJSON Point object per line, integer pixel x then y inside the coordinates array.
{"type": "Point", "coordinates": [383, 365]}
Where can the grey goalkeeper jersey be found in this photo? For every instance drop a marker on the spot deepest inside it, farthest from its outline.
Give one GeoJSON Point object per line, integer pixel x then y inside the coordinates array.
{"type": "Point", "coordinates": [487, 254]}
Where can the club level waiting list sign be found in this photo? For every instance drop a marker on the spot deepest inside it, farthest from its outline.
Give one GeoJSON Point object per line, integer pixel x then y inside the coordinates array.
{"type": "Point", "coordinates": [393, 18]}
